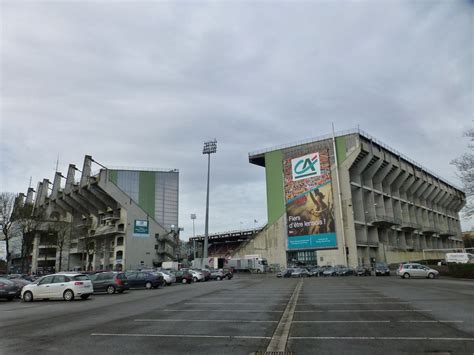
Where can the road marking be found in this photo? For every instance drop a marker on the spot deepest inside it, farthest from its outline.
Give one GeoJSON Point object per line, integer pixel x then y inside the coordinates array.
{"type": "Point", "coordinates": [280, 336]}
{"type": "Point", "coordinates": [378, 321]}
{"type": "Point", "coordinates": [179, 336]}
{"type": "Point", "coordinates": [321, 303]}
{"type": "Point", "coordinates": [353, 298]}
{"type": "Point", "coordinates": [366, 310]}
{"type": "Point", "coordinates": [231, 303]}
{"type": "Point", "coordinates": [430, 321]}
{"type": "Point", "coordinates": [380, 338]}
{"type": "Point", "coordinates": [341, 321]}
{"type": "Point", "coordinates": [207, 320]}
{"type": "Point", "coordinates": [219, 310]}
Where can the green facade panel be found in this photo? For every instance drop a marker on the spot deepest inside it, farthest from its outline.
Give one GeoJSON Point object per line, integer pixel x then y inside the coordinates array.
{"type": "Point", "coordinates": [146, 192]}
{"type": "Point", "coordinates": [275, 185]}
{"type": "Point", "coordinates": [341, 149]}
{"type": "Point", "coordinates": [113, 176]}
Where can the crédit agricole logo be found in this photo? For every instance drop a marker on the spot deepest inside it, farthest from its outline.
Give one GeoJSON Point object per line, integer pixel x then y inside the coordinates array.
{"type": "Point", "coordinates": [306, 166]}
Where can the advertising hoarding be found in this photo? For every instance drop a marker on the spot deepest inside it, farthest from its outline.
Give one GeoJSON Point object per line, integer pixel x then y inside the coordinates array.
{"type": "Point", "coordinates": [309, 202]}
{"type": "Point", "coordinates": [140, 228]}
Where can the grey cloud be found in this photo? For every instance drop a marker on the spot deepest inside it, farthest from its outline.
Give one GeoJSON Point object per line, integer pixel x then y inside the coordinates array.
{"type": "Point", "coordinates": [144, 84]}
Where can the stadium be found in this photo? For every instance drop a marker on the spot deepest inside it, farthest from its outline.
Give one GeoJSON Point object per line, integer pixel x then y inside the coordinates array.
{"type": "Point", "coordinates": [350, 199]}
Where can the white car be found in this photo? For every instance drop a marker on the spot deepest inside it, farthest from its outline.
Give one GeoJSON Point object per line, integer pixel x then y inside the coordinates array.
{"type": "Point", "coordinates": [61, 285]}
{"type": "Point", "coordinates": [169, 278]}
{"type": "Point", "coordinates": [197, 275]}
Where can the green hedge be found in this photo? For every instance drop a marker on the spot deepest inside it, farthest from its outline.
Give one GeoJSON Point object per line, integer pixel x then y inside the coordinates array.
{"type": "Point", "coordinates": [465, 271]}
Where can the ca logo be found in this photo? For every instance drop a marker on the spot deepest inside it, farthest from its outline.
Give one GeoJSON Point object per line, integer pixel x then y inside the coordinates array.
{"type": "Point", "coordinates": [306, 166]}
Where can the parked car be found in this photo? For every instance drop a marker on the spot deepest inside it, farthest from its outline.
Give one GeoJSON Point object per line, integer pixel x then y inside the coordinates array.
{"type": "Point", "coordinates": [110, 282]}
{"type": "Point", "coordinates": [184, 276]}
{"type": "Point", "coordinates": [300, 272]}
{"type": "Point", "coordinates": [206, 273]}
{"type": "Point", "coordinates": [168, 277]}
{"type": "Point", "coordinates": [61, 285]}
{"type": "Point", "coordinates": [227, 273]}
{"type": "Point", "coordinates": [316, 271]}
{"type": "Point", "coordinates": [406, 271]}
{"type": "Point", "coordinates": [146, 279]}
{"type": "Point", "coordinates": [330, 271]}
{"type": "Point", "coordinates": [20, 283]}
{"type": "Point", "coordinates": [217, 275]}
{"type": "Point", "coordinates": [362, 271]}
{"type": "Point", "coordinates": [285, 273]}
{"type": "Point", "coordinates": [381, 269]}
{"type": "Point", "coordinates": [344, 271]}
{"type": "Point", "coordinates": [8, 289]}
{"type": "Point", "coordinates": [197, 276]}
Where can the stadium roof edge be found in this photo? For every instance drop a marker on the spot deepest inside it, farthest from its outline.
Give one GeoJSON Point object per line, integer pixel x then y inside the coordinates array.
{"type": "Point", "coordinates": [258, 157]}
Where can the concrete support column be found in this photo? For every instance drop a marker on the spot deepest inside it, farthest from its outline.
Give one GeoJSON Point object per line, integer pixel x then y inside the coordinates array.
{"type": "Point", "coordinates": [86, 170]}
{"type": "Point", "coordinates": [56, 185]}
{"type": "Point", "coordinates": [70, 178]}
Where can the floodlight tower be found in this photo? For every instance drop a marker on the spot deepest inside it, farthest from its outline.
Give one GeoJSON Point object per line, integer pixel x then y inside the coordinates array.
{"type": "Point", "coordinates": [193, 218]}
{"type": "Point", "coordinates": [209, 148]}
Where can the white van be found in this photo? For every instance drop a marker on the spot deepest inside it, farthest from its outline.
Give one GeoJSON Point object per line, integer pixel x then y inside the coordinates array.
{"type": "Point", "coordinates": [460, 258]}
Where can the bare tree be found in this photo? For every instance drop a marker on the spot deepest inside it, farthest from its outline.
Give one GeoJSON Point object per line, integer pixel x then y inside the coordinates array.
{"type": "Point", "coordinates": [465, 165]}
{"type": "Point", "coordinates": [63, 230]}
{"type": "Point", "coordinates": [27, 225]}
{"type": "Point", "coordinates": [7, 201]}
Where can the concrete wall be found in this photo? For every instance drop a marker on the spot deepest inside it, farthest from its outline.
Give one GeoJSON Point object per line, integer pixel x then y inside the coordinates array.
{"type": "Point", "coordinates": [268, 243]}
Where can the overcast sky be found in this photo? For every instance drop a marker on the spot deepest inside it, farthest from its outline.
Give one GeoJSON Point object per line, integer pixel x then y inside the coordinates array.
{"type": "Point", "coordinates": [144, 84]}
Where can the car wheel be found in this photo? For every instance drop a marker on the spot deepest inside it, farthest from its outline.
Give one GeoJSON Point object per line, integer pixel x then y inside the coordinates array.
{"type": "Point", "coordinates": [406, 275]}
{"type": "Point", "coordinates": [195, 279]}
{"type": "Point", "coordinates": [84, 297]}
{"type": "Point", "coordinates": [148, 285]}
{"type": "Point", "coordinates": [168, 284]}
{"type": "Point", "coordinates": [68, 295]}
{"type": "Point", "coordinates": [27, 296]}
{"type": "Point", "coordinates": [431, 275]}
{"type": "Point", "coordinates": [218, 278]}
{"type": "Point", "coordinates": [184, 281]}
{"type": "Point", "coordinates": [110, 290]}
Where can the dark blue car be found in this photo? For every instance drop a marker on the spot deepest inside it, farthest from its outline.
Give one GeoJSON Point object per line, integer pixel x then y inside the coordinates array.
{"type": "Point", "coordinates": [144, 279]}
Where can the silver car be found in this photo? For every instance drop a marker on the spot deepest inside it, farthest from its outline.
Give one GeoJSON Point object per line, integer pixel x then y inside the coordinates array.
{"type": "Point", "coordinates": [406, 271]}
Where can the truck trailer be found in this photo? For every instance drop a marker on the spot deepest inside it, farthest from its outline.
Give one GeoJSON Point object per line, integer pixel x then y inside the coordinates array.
{"type": "Point", "coordinates": [249, 263]}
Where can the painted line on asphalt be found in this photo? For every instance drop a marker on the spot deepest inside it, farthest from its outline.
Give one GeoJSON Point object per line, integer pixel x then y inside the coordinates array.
{"type": "Point", "coordinates": [282, 331]}
{"type": "Point", "coordinates": [207, 320]}
{"type": "Point", "coordinates": [353, 298]}
{"type": "Point", "coordinates": [378, 321]}
{"type": "Point", "coordinates": [236, 303]}
{"type": "Point", "coordinates": [323, 303]}
{"type": "Point", "coordinates": [430, 321]}
{"type": "Point", "coordinates": [341, 321]}
{"type": "Point", "coordinates": [366, 310]}
{"type": "Point", "coordinates": [179, 336]}
{"type": "Point", "coordinates": [380, 338]}
{"type": "Point", "coordinates": [27, 307]}
{"type": "Point", "coordinates": [219, 310]}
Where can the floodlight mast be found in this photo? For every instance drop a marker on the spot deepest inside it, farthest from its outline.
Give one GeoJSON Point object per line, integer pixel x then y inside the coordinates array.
{"type": "Point", "coordinates": [209, 148]}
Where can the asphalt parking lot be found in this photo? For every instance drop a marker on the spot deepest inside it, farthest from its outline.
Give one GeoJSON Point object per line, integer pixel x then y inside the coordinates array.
{"type": "Point", "coordinates": [253, 314]}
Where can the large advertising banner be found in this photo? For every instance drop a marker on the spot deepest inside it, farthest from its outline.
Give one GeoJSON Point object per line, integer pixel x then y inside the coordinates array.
{"type": "Point", "coordinates": [309, 202]}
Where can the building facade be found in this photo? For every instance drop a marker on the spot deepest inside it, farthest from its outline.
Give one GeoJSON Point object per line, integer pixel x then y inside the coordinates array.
{"type": "Point", "coordinates": [113, 220]}
{"type": "Point", "coordinates": [352, 200]}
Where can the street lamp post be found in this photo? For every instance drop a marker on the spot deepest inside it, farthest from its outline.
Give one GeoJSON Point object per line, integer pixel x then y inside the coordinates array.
{"type": "Point", "coordinates": [193, 217]}
{"type": "Point", "coordinates": [209, 148]}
